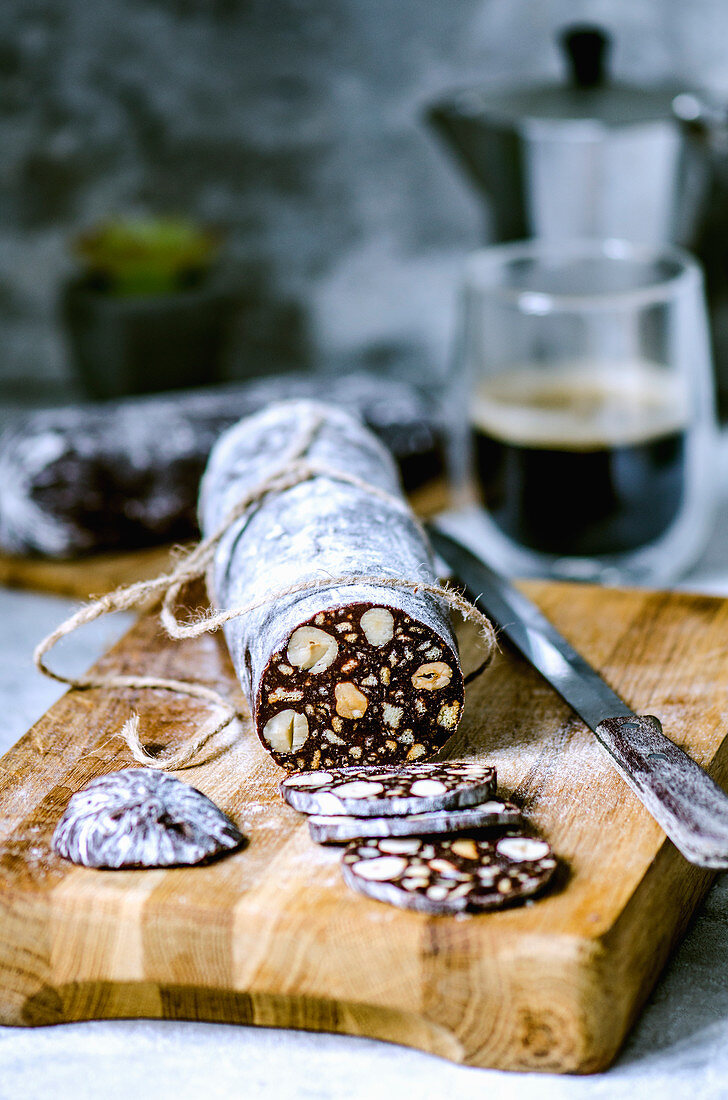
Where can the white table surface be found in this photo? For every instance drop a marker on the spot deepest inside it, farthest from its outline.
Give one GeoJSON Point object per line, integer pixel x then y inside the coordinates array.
{"type": "Point", "coordinates": [678, 1049]}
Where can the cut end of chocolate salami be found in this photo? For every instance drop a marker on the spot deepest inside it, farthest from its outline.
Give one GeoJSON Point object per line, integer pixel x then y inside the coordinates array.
{"type": "Point", "coordinates": [342, 829]}
{"type": "Point", "coordinates": [390, 791]}
{"type": "Point", "coordinates": [360, 683]}
{"type": "Point", "coordinates": [456, 875]}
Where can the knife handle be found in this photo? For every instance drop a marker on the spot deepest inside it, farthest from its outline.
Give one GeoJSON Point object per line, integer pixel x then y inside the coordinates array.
{"type": "Point", "coordinates": [680, 795]}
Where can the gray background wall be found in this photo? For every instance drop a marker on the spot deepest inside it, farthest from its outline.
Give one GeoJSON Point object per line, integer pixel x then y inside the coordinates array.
{"type": "Point", "coordinates": [295, 122]}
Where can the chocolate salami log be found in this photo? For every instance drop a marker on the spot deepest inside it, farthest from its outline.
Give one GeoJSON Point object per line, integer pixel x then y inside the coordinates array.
{"type": "Point", "coordinates": [126, 473]}
{"type": "Point", "coordinates": [359, 674]}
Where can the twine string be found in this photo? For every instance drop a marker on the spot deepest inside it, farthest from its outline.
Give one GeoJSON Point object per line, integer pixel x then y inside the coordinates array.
{"type": "Point", "coordinates": [293, 470]}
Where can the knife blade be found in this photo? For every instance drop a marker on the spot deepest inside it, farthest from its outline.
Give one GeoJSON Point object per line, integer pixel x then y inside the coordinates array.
{"type": "Point", "coordinates": [689, 806]}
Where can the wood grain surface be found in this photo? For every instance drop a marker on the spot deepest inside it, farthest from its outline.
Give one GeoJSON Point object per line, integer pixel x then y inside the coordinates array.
{"type": "Point", "coordinates": [271, 935]}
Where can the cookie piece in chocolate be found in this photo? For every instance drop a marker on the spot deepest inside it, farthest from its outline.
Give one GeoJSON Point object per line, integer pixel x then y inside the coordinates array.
{"type": "Point", "coordinates": [342, 829]}
{"type": "Point", "coordinates": [454, 875]}
{"type": "Point", "coordinates": [390, 791]}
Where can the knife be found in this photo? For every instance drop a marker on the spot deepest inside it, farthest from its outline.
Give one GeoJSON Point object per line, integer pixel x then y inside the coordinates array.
{"type": "Point", "coordinates": [690, 807]}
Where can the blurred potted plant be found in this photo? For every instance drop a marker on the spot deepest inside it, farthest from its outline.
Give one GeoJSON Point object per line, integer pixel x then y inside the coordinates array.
{"type": "Point", "coordinates": [146, 312]}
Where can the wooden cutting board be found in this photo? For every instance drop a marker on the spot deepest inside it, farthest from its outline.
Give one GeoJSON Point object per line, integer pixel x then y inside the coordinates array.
{"type": "Point", "coordinates": [83, 577]}
{"type": "Point", "coordinates": [271, 935]}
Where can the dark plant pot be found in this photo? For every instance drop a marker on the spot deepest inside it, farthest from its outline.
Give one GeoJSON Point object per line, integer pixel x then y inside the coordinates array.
{"type": "Point", "coordinates": [128, 345]}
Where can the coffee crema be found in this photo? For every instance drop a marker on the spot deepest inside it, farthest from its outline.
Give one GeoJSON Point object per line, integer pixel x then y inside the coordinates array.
{"type": "Point", "coordinates": [582, 459]}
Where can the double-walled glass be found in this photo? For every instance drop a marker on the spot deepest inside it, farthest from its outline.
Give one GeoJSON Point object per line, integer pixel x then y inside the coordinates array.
{"type": "Point", "coordinates": [590, 406]}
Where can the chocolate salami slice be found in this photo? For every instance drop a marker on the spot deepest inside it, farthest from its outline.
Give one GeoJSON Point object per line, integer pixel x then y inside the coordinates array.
{"type": "Point", "coordinates": [362, 673]}
{"type": "Point", "coordinates": [126, 473]}
{"type": "Point", "coordinates": [438, 876]}
{"type": "Point", "coordinates": [340, 830]}
{"type": "Point", "coordinates": [390, 792]}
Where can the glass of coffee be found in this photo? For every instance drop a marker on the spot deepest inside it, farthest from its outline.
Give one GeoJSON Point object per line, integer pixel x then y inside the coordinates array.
{"type": "Point", "coordinates": [590, 404]}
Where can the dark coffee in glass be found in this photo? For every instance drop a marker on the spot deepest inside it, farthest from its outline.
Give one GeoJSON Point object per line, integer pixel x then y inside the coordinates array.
{"type": "Point", "coordinates": [587, 374]}
{"type": "Point", "coordinates": [581, 460]}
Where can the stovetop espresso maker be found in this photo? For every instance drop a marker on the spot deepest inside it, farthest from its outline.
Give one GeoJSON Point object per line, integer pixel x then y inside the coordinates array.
{"type": "Point", "coordinates": [592, 156]}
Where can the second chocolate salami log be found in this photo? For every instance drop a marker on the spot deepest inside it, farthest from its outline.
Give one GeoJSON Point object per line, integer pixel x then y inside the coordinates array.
{"type": "Point", "coordinates": [126, 473]}
{"type": "Point", "coordinates": [356, 674]}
